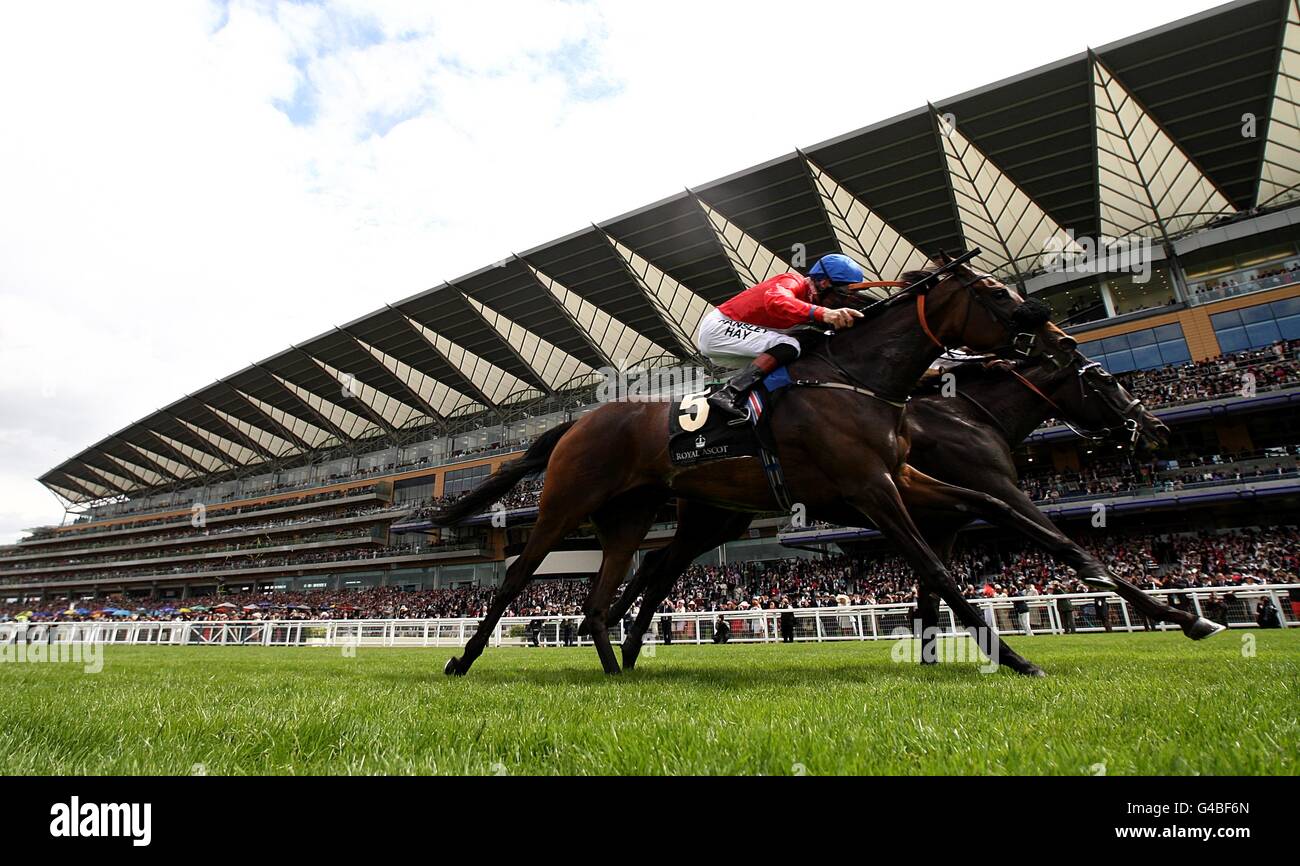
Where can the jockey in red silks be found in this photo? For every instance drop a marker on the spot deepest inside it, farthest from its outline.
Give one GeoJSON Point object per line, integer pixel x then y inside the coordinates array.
{"type": "Point", "coordinates": [748, 330]}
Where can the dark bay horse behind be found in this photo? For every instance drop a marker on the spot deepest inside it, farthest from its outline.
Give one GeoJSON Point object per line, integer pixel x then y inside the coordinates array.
{"type": "Point", "coordinates": [965, 439]}
{"type": "Point", "coordinates": [844, 450]}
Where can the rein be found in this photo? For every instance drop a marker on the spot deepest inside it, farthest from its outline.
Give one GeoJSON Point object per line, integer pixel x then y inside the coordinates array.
{"type": "Point", "coordinates": [1130, 423]}
{"type": "Point", "coordinates": [1032, 387]}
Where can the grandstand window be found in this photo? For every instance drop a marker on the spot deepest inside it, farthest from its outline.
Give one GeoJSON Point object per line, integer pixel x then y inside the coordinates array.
{"type": "Point", "coordinates": [1075, 304]}
{"type": "Point", "coordinates": [413, 492]}
{"type": "Point", "coordinates": [1140, 350]}
{"type": "Point", "coordinates": [461, 480]}
{"type": "Point", "coordinates": [1257, 326]}
{"type": "Point", "coordinates": [1129, 296]}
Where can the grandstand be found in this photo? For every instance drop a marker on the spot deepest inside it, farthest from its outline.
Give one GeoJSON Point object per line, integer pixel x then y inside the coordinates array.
{"type": "Point", "coordinates": [310, 475]}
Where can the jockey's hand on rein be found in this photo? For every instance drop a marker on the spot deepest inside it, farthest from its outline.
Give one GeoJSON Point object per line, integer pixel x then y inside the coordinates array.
{"type": "Point", "coordinates": [841, 318]}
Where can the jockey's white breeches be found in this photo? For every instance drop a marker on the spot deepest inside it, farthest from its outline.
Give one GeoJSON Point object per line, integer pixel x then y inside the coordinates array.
{"type": "Point", "coordinates": [734, 344]}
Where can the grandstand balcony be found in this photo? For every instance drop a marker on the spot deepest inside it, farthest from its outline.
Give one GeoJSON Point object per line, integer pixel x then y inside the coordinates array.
{"type": "Point", "coordinates": [151, 544]}
{"type": "Point", "coordinates": [75, 536]}
{"type": "Point", "coordinates": [337, 555]}
{"type": "Point", "coordinates": [261, 544]}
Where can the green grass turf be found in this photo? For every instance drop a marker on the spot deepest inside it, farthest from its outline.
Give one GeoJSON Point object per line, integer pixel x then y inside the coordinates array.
{"type": "Point", "coordinates": [1145, 703]}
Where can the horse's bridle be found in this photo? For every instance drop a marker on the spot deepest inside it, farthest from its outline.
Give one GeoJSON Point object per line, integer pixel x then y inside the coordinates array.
{"type": "Point", "coordinates": [1020, 343]}
{"type": "Point", "coordinates": [1129, 415]}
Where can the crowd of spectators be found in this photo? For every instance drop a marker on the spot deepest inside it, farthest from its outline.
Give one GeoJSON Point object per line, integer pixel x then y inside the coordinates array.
{"type": "Point", "coordinates": [238, 550]}
{"type": "Point", "coordinates": [984, 569]}
{"type": "Point", "coordinates": [1127, 475]}
{"type": "Point", "coordinates": [185, 532]}
{"type": "Point", "coordinates": [1276, 366]}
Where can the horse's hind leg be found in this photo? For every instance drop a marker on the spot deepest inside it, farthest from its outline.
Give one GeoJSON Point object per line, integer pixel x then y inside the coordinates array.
{"type": "Point", "coordinates": [560, 514]}
{"type": "Point", "coordinates": [645, 572]}
{"type": "Point", "coordinates": [700, 528]}
{"type": "Point", "coordinates": [927, 610]}
{"type": "Point", "coordinates": [620, 524]}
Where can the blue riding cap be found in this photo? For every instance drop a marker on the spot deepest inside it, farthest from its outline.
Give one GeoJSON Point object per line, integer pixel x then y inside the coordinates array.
{"type": "Point", "coordinates": [838, 268]}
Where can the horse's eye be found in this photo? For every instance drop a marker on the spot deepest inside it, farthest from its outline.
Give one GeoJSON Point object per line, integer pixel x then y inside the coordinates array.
{"type": "Point", "coordinates": [1001, 294]}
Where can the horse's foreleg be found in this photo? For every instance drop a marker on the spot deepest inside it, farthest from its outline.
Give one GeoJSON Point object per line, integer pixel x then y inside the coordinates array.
{"type": "Point", "coordinates": [923, 491]}
{"type": "Point", "coordinates": [1009, 506]}
{"type": "Point", "coordinates": [940, 535]}
{"type": "Point", "coordinates": [551, 527]}
{"type": "Point", "coordinates": [882, 503]}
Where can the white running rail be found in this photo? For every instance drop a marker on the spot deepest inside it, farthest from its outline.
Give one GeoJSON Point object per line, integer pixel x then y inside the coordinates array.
{"type": "Point", "coordinates": [1047, 614]}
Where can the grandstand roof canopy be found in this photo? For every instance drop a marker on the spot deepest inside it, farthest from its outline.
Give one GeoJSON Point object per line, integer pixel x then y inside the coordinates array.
{"type": "Point", "coordinates": [1155, 135]}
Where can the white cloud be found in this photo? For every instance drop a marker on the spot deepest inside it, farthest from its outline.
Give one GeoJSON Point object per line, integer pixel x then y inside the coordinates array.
{"type": "Point", "coordinates": [163, 222]}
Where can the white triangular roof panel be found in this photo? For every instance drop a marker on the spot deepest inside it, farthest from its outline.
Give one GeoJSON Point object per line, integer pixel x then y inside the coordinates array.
{"type": "Point", "coordinates": [752, 261]}
{"type": "Point", "coordinates": [1280, 176]}
{"type": "Point", "coordinates": [620, 343]}
{"type": "Point", "coordinates": [1148, 184]}
{"type": "Point", "coordinates": [553, 365]}
{"type": "Point", "coordinates": [862, 235]}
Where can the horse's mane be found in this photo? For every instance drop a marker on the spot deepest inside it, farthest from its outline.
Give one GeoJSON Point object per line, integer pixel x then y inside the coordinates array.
{"type": "Point", "coordinates": [916, 276]}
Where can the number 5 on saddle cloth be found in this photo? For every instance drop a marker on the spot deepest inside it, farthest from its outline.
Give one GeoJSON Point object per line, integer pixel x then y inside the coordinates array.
{"type": "Point", "coordinates": [696, 435]}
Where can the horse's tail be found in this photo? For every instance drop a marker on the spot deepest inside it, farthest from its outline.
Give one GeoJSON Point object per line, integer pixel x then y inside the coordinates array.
{"type": "Point", "coordinates": [503, 480]}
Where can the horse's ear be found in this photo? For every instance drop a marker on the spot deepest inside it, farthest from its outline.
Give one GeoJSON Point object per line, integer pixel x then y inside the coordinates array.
{"type": "Point", "coordinates": [1064, 340]}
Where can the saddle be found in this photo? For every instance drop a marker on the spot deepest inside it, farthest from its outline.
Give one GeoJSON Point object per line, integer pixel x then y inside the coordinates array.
{"type": "Point", "coordinates": [698, 435]}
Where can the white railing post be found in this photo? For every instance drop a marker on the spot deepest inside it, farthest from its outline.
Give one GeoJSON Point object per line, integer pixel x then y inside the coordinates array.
{"type": "Point", "coordinates": [1123, 607]}
{"type": "Point", "coordinates": [1053, 625]}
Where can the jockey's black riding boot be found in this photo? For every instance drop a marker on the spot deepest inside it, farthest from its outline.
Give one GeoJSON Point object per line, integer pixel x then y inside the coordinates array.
{"type": "Point", "coordinates": [730, 398]}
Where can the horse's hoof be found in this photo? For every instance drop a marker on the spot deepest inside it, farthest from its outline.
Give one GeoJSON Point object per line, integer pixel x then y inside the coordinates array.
{"type": "Point", "coordinates": [1033, 671]}
{"type": "Point", "coordinates": [613, 672]}
{"type": "Point", "coordinates": [1203, 628]}
{"type": "Point", "coordinates": [452, 668]}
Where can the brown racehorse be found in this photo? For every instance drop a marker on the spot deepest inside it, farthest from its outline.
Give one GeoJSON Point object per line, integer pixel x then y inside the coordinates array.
{"type": "Point", "coordinates": [965, 439]}
{"type": "Point", "coordinates": [843, 448]}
